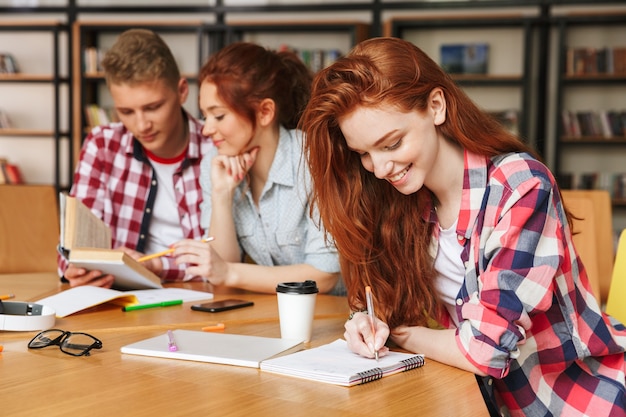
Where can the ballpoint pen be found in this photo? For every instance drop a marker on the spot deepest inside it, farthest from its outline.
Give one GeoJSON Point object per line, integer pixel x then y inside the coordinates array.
{"type": "Point", "coordinates": [166, 252]}
{"type": "Point", "coordinates": [171, 342]}
{"type": "Point", "coordinates": [152, 305]}
{"type": "Point", "coordinates": [370, 313]}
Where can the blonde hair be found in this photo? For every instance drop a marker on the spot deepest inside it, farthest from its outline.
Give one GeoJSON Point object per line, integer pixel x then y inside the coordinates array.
{"type": "Point", "coordinates": [140, 55]}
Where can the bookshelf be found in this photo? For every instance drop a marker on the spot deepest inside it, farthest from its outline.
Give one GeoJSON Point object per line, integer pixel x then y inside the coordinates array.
{"type": "Point", "coordinates": [34, 100]}
{"type": "Point", "coordinates": [527, 26]}
{"type": "Point", "coordinates": [589, 151]}
{"type": "Point", "coordinates": [506, 85]}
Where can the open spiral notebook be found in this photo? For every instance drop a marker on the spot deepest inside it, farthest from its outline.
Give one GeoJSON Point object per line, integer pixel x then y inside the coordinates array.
{"type": "Point", "coordinates": [334, 363]}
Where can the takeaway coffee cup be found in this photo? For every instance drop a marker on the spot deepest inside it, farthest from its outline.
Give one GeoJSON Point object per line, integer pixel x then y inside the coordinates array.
{"type": "Point", "coordinates": [296, 306]}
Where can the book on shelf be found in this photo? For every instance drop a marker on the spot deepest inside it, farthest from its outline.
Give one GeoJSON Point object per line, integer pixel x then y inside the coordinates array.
{"type": "Point", "coordinates": [91, 60]}
{"type": "Point", "coordinates": [3, 174]}
{"type": "Point", "coordinates": [97, 116]}
{"type": "Point", "coordinates": [334, 363]}
{"type": "Point", "coordinates": [613, 182]}
{"type": "Point", "coordinates": [595, 61]}
{"type": "Point", "coordinates": [603, 123]}
{"type": "Point", "coordinates": [10, 173]}
{"type": "Point", "coordinates": [471, 58]}
{"type": "Point", "coordinates": [5, 122]}
{"type": "Point", "coordinates": [85, 240]}
{"type": "Point", "coordinates": [77, 299]}
{"type": "Point", "coordinates": [314, 59]}
{"type": "Point", "coordinates": [8, 64]}
{"type": "Point", "coordinates": [220, 348]}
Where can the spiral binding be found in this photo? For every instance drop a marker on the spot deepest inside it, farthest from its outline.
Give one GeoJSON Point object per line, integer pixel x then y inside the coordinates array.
{"type": "Point", "coordinates": [413, 362]}
{"type": "Point", "coordinates": [370, 375]}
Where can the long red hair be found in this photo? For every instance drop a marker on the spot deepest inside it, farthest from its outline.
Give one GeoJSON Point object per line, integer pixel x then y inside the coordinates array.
{"type": "Point", "coordinates": [380, 234]}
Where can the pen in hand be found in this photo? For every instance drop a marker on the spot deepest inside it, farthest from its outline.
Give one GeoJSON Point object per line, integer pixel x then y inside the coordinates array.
{"type": "Point", "coordinates": [370, 313]}
{"type": "Point", "coordinates": [166, 252]}
{"type": "Point", "coordinates": [171, 342]}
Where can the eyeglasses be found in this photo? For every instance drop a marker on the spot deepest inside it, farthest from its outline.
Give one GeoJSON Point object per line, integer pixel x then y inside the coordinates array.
{"type": "Point", "coordinates": [75, 344]}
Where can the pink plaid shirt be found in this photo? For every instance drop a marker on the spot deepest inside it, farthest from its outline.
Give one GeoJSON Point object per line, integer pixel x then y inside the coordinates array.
{"type": "Point", "coordinates": [116, 181]}
{"type": "Point", "coordinates": [527, 316]}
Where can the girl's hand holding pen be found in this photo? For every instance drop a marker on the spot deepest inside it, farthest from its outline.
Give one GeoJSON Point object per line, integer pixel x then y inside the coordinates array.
{"type": "Point", "coordinates": [202, 260]}
{"type": "Point", "coordinates": [360, 339]}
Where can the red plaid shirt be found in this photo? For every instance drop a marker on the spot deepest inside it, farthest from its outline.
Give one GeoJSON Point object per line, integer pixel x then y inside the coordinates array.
{"type": "Point", "coordinates": [115, 180]}
{"type": "Point", "coordinates": [527, 316]}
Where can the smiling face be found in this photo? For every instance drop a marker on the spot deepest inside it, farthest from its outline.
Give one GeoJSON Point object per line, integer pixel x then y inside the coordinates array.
{"type": "Point", "coordinates": [400, 147]}
{"type": "Point", "coordinates": [231, 133]}
{"type": "Point", "coordinates": [152, 112]}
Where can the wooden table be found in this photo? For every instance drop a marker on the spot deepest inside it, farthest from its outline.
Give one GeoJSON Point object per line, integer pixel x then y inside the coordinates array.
{"type": "Point", "coordinates": [48, 382]}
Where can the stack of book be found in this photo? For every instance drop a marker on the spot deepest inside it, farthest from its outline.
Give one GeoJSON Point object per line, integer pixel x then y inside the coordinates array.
{"type": "Point", "coordinates": [10, 173]}
{"type": "Point", "coordinates": [91, 61]}
{"type": "Point", "coordinates": [314, 59]}
{"type": "Point", "coordinates": [613, 182]}
{"type": "Point", "coordinates": [97, 116]}
{"type": "Point", "coordinates": [8, 65]}
{"type": "Point", "coordinates": [604, 123]}
{"type": "Point", "coordinates": [593, 61]}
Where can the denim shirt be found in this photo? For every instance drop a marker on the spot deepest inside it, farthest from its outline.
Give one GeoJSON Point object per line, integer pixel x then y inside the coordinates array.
{"type": "Point", "coordinates": [279, 231]}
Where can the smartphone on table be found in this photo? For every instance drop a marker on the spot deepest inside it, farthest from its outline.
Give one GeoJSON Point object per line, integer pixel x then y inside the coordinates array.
{"type": "Point", "coordinates": [221, 305]}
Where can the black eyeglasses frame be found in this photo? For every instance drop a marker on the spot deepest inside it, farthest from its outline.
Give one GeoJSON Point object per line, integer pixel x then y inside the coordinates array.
{"type": "Point", "coordinates": [64, 336]}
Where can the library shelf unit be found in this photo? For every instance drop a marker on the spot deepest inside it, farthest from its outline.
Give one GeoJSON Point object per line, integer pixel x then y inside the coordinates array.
{"type": "Point", "coordinates": [43, 75]}
{"type": "Point", "coordinates": [591, 92]}
{"type": "Point", "coordinates": [346, 22]}
{"type": "Point", "coordinates": [508, 75]}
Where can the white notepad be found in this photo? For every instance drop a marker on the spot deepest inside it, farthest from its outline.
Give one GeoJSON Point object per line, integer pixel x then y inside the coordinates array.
{"type": "Point", "coordinates": [335, 363]}
{"type": "Point", "coordinates": [223, 348]}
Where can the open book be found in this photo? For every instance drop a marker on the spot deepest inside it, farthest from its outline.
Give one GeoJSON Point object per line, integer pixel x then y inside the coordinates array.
{"type": "Point", "coordinates": [80, 298]}
{"type": "Point", "coordinates": [85, 240]}
{"type": "Point", "coordinates": [227, 349]}
{"type": "Point", "coordinates": [335, 364]}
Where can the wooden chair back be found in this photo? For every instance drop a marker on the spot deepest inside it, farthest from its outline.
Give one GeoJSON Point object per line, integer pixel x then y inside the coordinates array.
{"type": "Point", "coordinates": [604, 241]}
{"type": "Point", "coordinates": [585, 237]}
{"type": "Point", "coordinates": [615, 305]}
{"type": "Point", "coordinates": [29, 228]}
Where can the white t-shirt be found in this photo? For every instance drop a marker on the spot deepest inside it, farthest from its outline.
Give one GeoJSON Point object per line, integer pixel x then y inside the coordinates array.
{"type": "Point", "coordinates": [164, 226]}
{"type": "Point", "coordinates": [450, 269]}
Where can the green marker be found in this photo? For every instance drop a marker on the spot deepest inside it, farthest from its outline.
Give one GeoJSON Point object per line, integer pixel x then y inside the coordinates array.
{"type": "Point", "coordinates": [161, 304]}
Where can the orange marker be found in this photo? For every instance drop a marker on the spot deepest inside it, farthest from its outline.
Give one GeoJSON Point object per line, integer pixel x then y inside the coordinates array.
{"type": "Point", "coordinates": [214, 328]}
